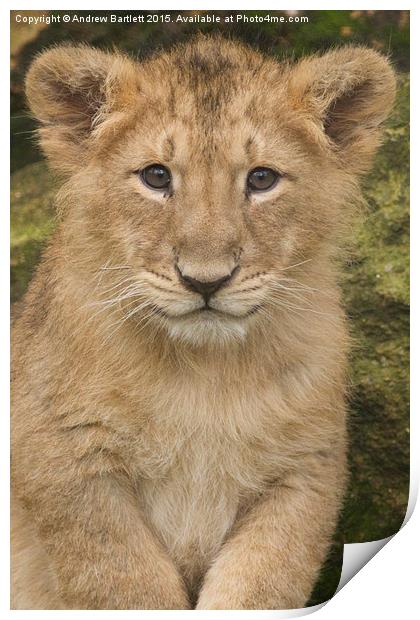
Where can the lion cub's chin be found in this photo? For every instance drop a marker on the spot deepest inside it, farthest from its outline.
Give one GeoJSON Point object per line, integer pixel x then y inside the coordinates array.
{"type": "Point", "coordinates": [208, 327]}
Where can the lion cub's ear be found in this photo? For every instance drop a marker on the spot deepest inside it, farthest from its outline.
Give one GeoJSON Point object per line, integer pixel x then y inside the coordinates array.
{"type": "Point", "coordinates": [348, 93]}
{"type": "Point", "coordinates": [73, 90]}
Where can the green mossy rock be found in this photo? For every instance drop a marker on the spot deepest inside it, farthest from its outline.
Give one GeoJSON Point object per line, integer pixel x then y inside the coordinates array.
{"type": "Point", "coordinates": [32, 221]}
{"type": "Point", "coordinates": [377, 299]}
{"type": "Point", "coordinates": [376, 293]}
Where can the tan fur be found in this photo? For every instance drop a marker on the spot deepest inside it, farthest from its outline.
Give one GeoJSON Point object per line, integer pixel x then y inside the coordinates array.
{"type": "Point", "coordinates": [165, 458]}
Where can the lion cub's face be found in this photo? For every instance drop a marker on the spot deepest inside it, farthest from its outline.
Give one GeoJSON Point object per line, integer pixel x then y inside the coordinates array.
{"type": "Point", "coordinates": [210, 210]}
{"type": "Point", "coordinates": [204, 176]}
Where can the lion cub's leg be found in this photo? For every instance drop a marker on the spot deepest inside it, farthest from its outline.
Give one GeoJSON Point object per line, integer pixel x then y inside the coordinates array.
{"type": "Point", "coordinates": [104, 555]}
{"type": "Point", "coordinates": [274, 556]}
{"type": "Point", "coordinates": [33, 582]}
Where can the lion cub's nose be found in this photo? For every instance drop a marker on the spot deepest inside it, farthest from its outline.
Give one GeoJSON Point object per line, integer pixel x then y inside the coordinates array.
{"type": "Point", "coordinates": [206, 288]}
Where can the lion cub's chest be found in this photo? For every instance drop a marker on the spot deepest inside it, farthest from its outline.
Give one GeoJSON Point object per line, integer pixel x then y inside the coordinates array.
{"type": "Point", "coordinates": [198, 467]}
{"type": "Point", "coordinates": [191, 503]}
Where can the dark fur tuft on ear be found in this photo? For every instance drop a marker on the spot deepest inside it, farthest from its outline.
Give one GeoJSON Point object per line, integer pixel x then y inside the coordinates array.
{"type": "Point", "coordinates": [70, 90]}
{"type": "Point", "coordinates": [348, 93]}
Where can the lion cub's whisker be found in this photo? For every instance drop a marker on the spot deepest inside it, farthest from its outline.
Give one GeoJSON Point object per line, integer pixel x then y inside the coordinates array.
{"type": "Point", "coordinates": [118, 324]}
{"type": "Point", "coordinates": [117, 285]}
{"type": "Point", "coordinates": [117, 267]}
{"type": "Point", "coordinates": [308, 260]}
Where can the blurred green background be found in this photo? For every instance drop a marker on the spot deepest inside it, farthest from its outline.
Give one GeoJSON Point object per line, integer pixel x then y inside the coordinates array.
{"type": "Point", "coordinates": [375, 280]}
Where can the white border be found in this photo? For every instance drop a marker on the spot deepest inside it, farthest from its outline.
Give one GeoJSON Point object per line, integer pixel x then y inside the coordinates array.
{"type": "Point", "coordinates": [387, 586]}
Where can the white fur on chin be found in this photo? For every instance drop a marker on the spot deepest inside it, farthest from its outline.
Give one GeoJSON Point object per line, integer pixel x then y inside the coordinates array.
{"type": "Point", "coordinates": [207, 328]}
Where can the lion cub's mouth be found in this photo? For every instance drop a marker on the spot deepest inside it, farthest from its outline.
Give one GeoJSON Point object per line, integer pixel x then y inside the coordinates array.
{"type": "Point", "coordinates": [208, 312]}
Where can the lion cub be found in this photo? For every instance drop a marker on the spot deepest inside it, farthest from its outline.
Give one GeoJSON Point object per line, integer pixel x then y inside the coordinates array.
{"type": "Point", "coordinates": [179, 420]}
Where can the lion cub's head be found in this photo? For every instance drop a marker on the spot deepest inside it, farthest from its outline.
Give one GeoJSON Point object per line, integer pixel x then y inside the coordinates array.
{"type": "Point", "coordinates": [200, 179]}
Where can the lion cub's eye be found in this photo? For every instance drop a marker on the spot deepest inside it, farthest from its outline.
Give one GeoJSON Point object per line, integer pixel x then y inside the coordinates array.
{"type": "Point", "coordinates": [156, 176]}
{"type": "Point", "coordinates": [261, 179]}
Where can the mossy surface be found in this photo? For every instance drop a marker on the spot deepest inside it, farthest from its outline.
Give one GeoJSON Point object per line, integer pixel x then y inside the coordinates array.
{"type": "Point", "coordinates": [32, 221]}
{"type": "Point", "coordinates": [376, 289]}
{"type": "Point", "coordinates": [376, 292]}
